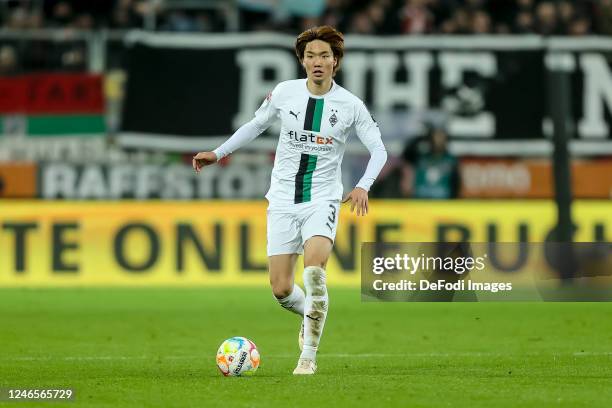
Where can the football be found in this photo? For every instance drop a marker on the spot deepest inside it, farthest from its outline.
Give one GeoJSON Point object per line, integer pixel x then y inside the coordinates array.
{"type": "Point", "coordinates": [237, 356]}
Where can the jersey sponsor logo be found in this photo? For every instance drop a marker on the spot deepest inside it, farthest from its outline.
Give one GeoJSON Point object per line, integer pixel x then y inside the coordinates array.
{"type": "Point", "coordinates": [310, 137]}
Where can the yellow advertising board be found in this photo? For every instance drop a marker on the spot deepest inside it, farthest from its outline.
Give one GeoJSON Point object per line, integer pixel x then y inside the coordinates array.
{"type": "Point", "coordinates": [224, 243]}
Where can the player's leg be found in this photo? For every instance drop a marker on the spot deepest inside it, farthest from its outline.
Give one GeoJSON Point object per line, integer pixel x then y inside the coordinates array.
{"type": "Point", "coordinates": [316, 252]}
{"type": "Point", "coordinates": [282, 275]}
{"type": "Point", "coordinates": [284, 246]}
{"type": "Point", "coordinates": [319, 230]}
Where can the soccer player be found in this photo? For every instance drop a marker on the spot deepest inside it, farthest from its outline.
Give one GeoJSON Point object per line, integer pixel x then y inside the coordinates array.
{"type": "Point", "coordinates": [317, 116]}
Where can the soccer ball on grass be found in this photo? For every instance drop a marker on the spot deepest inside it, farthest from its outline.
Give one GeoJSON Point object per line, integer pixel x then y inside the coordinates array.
{"type": "Point", "coordinates": [237, 356]}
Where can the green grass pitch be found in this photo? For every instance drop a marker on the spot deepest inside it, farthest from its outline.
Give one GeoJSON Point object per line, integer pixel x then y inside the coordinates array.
{"type": "Point", "coordinates": [156, 348]}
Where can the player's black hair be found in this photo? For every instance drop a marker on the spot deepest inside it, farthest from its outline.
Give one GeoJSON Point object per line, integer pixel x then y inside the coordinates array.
{"type": "Point", "coordinates": [329, 34]}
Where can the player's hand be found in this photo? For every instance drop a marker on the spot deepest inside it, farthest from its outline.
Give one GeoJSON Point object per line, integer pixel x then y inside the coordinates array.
{"type": "Point", "coordinates": [203, 159]}
{"type": "Point", "coordinates": [359, 200]}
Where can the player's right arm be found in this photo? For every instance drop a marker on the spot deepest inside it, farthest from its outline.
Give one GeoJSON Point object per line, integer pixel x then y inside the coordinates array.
{"type": "Point", "coordinates": [264, 117]}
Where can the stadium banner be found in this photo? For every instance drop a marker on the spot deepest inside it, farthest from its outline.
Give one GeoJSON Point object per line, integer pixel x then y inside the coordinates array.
{"type": "Point", "coordinates": [532, 178]}
{"type": "Point", "coordinates": [246, 176]}
{"type": "Point", "coordinates": [233, 179]}
{"type": "Point", "coordinates": [224, 243]}
{"type": "Point", "coordinates": [504, 271]}
{"type": "Point", "coordinates": [188, 103]}
{"type": "Point", "coordinates": [52, 104]}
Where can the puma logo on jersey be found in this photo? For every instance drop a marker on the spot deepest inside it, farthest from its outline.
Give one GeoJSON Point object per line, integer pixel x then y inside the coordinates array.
{"type": "Point", "coordinates": [294, 114]}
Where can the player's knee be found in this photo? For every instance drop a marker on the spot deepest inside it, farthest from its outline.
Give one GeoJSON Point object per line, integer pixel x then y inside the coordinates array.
{"type": "Point", "coordinates": [281, 289]}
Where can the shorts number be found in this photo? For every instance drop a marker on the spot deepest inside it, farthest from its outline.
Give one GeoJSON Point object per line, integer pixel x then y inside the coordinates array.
{"type": "Point", "coordinates": [332, 218]}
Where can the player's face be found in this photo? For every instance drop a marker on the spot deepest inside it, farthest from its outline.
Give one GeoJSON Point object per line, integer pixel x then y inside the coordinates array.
{"type": "Point", "coordinates": [319, 61]}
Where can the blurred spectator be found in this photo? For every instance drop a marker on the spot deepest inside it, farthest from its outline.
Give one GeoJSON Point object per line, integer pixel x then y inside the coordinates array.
{"type": "Point", "coordinates": [580, 26]}
{"type": "Point", "coordinates": [8, 61]}
{"type": "Point", "coordinates": [334, 13]}
{"type": "Point", "coordinates": [62, 14]}
{"type": "Point", "coordinates": [603, 16]}
{"type": "Point", "coordinates": [481, 23]}
{"type": "Point", "coordinates": [416, 18]}
{"type": "Point", "coordinates": [376, 14]}
{"type": "Point", "coordinates": [125, 15]}
{"type": "Point", "coordinates": [84, 22]}
{"type": "Point", "coordinates": [430, 171]}
{"type": "Point", "coordinates": [547, 22]}
{"type": "Point", "coordinates": [525, 5]}
{"type": "Point", "coordinates": [524, 22]}
{"type": "Point", "coordinates": [74, 59]}
{"type": "Point", "coordinates": [18, 19]}
{"type": "Point", "coordinates": [361, 24]}
{"type": "Point", "coordinates": [566, 13]}
{"type": "Point", "coordinates": [459, 23]}
{"type": "Point", "coordinates": [36, 20]}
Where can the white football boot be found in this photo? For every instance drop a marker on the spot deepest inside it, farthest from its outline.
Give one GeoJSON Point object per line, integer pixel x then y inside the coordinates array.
{"type": "Point", "coordinates": [305, 367]}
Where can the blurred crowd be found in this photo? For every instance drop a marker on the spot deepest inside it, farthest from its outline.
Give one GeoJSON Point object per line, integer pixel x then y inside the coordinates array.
{"type": "Point", "coordinates": [397, 17]}
{"type": "Point", "coordinates": [19, 53]}
{"type": "Point", "coordinates": [381, 17]}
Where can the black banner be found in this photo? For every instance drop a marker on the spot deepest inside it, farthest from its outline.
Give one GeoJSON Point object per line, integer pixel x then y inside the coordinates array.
{"type": "Point", "coordinates": [189, 89]}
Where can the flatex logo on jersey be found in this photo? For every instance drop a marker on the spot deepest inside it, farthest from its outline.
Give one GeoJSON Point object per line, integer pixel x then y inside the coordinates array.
{"type": "Point", "coordinates": [310, 137]}
{"type": "Point", "coordinates": [308, 141]}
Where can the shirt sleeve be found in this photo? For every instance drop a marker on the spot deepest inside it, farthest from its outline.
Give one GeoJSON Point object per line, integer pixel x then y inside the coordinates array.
{"type": "Point", "coordinates": [264, 117]}
{"type": "Point", "coordinates": [368, 132]}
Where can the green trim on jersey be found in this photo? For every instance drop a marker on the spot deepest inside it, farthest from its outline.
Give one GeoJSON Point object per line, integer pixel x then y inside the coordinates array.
{"type": "Point", "coordinates": [314, 113]}
{"type": "Point", "coordinates": [318, 114]}
{"type": "Point", "coordinates": [303, 178]}
{"type": "Point", "coordinates": [308, 162]}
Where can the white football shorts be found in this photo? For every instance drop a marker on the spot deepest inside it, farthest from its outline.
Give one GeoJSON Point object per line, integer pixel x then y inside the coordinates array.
{"type": "Point", "coordinates": [289, 227]}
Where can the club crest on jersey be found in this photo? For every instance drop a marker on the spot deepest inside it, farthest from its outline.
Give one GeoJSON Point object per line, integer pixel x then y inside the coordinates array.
{"type": "Point", "coordinates": [333, 119]}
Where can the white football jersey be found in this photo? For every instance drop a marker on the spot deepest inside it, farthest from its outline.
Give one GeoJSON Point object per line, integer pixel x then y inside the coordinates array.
{"type": "Point", "coordinates": [313, 137]}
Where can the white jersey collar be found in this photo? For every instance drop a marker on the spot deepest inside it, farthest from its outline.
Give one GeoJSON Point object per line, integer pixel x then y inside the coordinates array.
{"type": "Point", "coordinates": [332, 89]}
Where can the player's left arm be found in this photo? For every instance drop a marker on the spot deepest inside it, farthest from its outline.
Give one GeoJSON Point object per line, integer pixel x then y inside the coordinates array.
{"type": "Point", "coordinates": [368, 132]}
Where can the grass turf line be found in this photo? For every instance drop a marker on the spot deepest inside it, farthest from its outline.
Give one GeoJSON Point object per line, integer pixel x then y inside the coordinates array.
{"type": "Point", "coordinates": [156, 348]}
